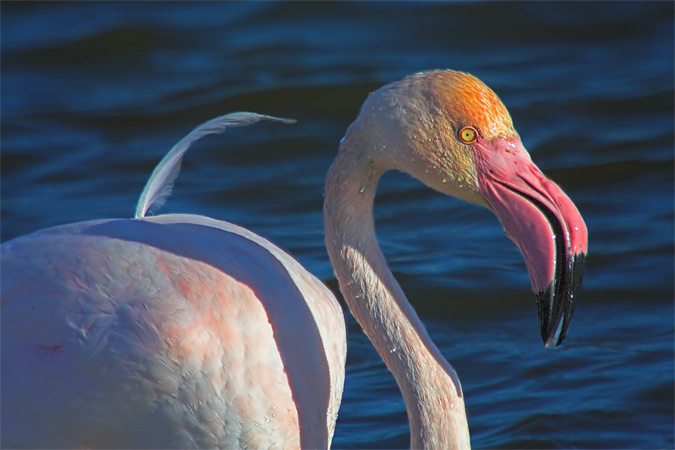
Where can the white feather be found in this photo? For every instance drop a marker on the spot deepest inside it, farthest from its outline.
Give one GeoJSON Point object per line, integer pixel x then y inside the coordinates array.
{"type": "Point", "coordinates": [160, 184]}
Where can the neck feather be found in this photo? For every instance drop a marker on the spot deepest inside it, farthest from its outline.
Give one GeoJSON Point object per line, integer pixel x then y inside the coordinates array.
{"type": "Point", "coordinates": [429, 384]}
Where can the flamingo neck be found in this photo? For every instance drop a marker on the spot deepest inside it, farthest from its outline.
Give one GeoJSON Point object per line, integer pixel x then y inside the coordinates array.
{"type": "Point", "coordinates": [430, 386]}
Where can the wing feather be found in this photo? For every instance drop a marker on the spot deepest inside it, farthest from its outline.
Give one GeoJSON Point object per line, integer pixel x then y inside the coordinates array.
{"type": "Point", "coordinates": [160, 184]}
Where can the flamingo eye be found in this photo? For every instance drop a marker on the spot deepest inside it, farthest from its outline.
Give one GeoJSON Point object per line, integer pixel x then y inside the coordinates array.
{"type": "Point", "coordinates": [468, 135]}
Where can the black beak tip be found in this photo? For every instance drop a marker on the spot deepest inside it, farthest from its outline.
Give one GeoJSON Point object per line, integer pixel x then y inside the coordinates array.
{"type": "Point", "coordinates": [556, 305]}
{"type": "Point", "coordinates": [551, 314]}
{"type": "Point", "coordinates": [554, 341]}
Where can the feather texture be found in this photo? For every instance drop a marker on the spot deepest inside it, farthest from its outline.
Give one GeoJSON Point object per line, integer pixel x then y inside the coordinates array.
{"type": "Point", "coordinates": [159, 186]}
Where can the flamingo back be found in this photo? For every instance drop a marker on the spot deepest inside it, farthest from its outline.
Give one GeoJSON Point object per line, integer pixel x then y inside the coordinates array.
{"type": "Point", "coordinates": [172, 331]}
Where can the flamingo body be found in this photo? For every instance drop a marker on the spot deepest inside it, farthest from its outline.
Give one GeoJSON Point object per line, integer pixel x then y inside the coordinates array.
{"type": "Point", "coordinates": [182, 331]}
{"type": "Point", "coordinates": [172, 331]}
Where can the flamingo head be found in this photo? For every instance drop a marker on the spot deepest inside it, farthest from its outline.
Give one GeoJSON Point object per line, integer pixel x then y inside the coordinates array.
{"type": "Point", "coordinates": [452, 132]}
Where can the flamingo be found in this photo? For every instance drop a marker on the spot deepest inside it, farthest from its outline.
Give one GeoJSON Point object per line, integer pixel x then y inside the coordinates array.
{"type": "Point", "coordinates": [184, 331]}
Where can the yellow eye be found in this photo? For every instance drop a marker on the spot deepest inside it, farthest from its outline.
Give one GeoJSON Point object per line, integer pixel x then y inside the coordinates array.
{"type": "Point", "coordinates": [468, 135]}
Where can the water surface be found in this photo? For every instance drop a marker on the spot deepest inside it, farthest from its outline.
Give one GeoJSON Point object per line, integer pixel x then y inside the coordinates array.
{"type": "Point", "coordinates": [93, 94]}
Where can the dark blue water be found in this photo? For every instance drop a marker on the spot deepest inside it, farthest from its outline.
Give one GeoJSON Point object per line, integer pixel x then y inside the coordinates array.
{"type": "Point", "coordinates": [93, 94]}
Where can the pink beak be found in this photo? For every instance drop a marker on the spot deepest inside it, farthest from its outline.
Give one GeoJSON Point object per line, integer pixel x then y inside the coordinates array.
{"type": "Point", "coordinates": [544, 224]}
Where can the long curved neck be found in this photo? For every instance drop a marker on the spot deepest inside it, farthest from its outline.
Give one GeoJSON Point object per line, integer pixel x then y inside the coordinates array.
{"type": "Point", "coordinates": [429, 384]}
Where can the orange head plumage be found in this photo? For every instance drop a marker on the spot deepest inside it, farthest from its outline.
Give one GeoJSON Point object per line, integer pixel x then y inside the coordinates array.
{"type": "Point", "coordinates": [417, 122]}
{"type": "Point", "coordinates": [471, 103]}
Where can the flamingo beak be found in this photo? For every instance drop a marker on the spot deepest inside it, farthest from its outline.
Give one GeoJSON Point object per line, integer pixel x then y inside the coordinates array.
{"type": "Point", "coordinates": [545, 225]}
